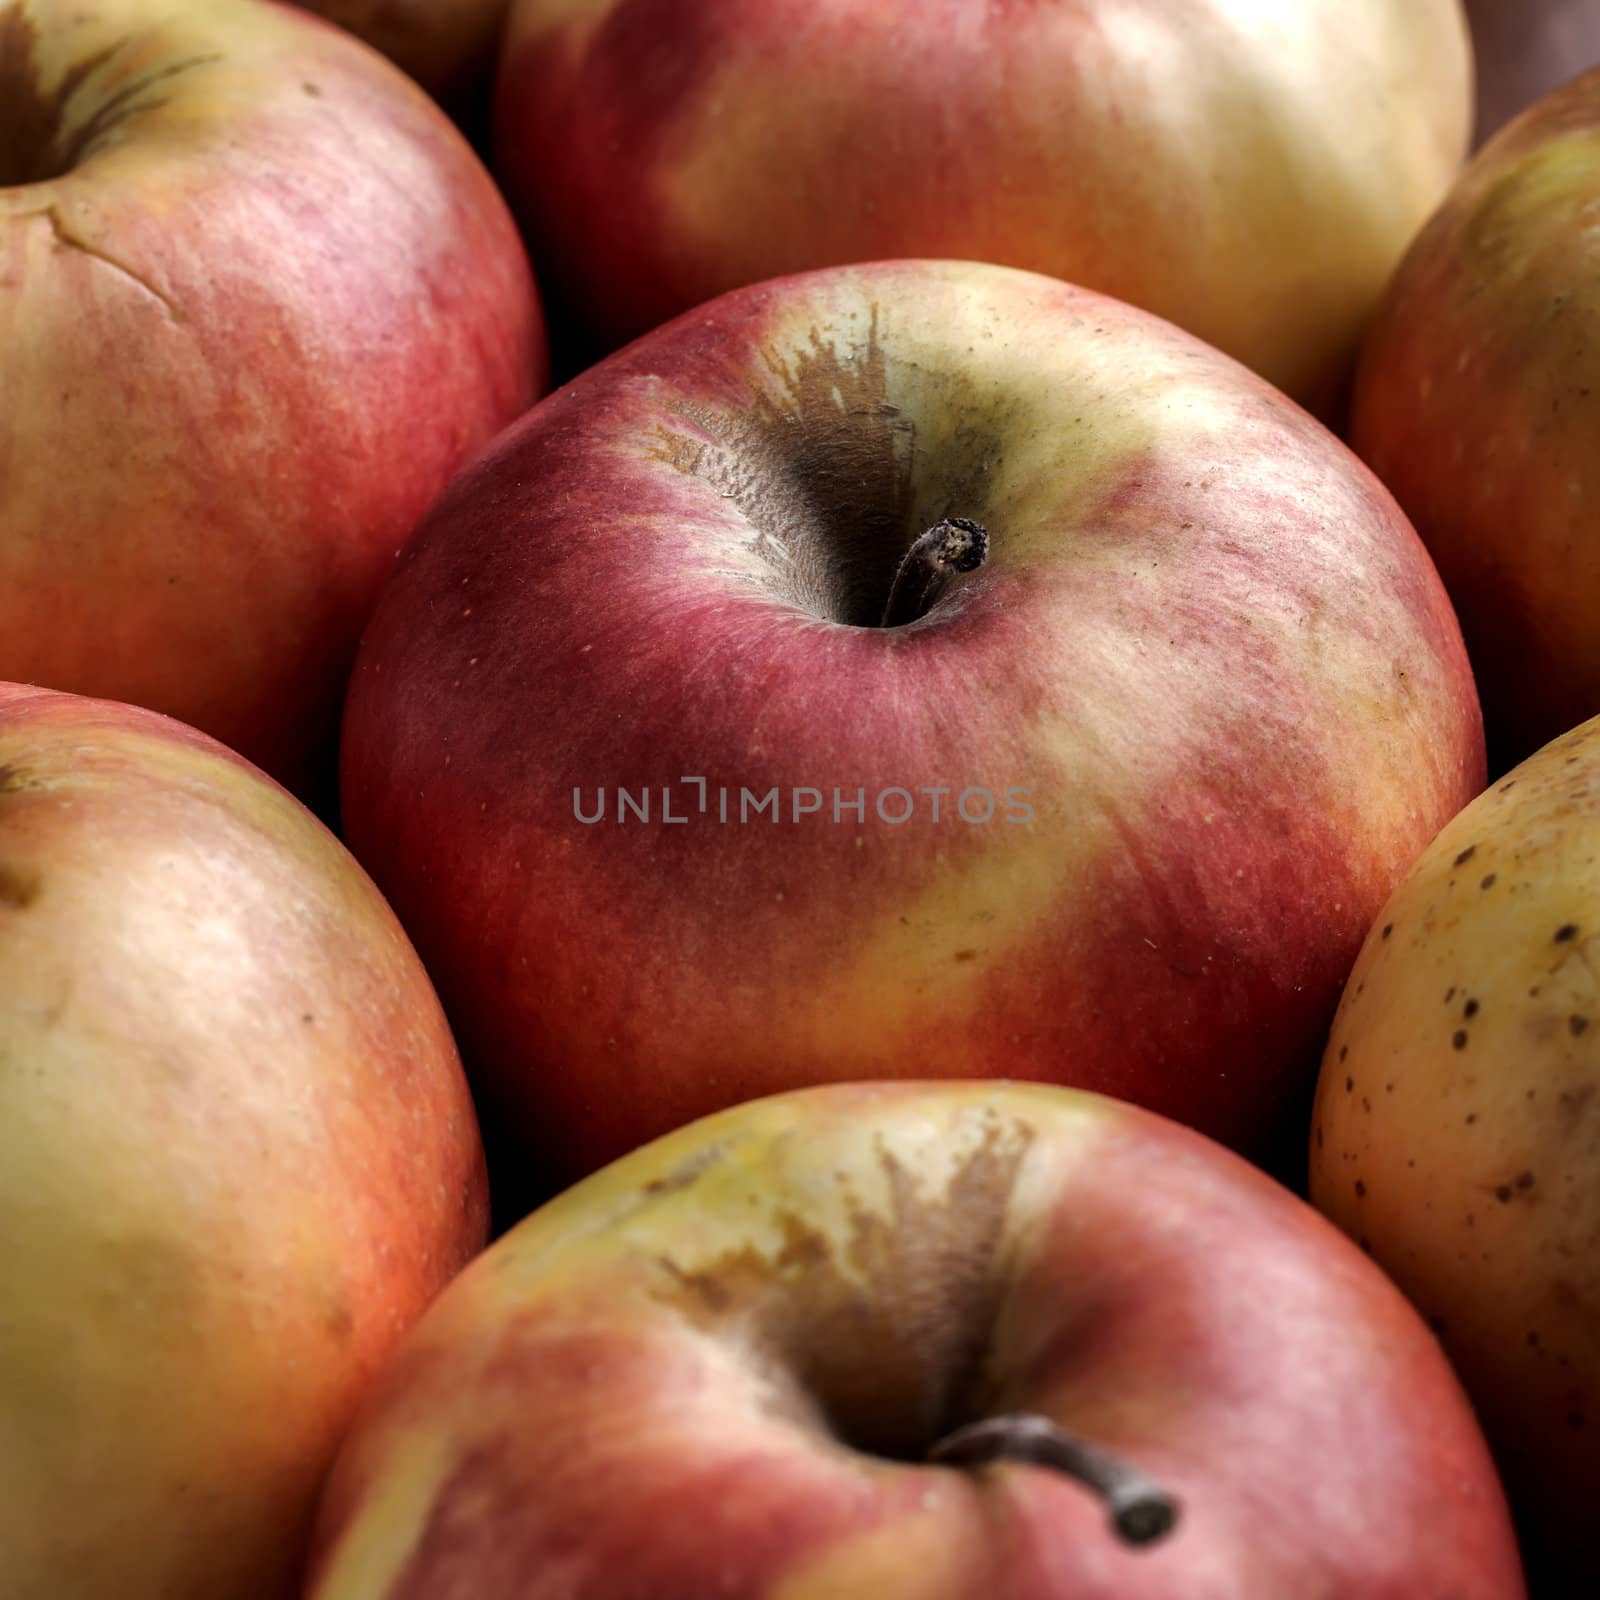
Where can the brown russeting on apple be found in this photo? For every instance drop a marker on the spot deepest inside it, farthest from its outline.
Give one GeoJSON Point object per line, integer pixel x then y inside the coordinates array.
{"type": "Point", "coordinates": [838, 479]}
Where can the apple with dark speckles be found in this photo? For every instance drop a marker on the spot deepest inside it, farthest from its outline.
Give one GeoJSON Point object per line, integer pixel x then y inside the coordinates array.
{"type": "Point", "coordinates": [919, 1342]}
{"type": "Point", "coordinates": [1457, 1125]}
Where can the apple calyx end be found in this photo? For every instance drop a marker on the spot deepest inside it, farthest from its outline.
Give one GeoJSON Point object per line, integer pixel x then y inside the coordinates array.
{"type": "Point", "coordinates": [1141, 1511]}
{"type": "Point", "coordinates": [952, 545]}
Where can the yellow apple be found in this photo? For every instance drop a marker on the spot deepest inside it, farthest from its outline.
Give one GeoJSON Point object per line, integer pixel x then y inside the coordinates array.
{"type": "Point", "coordinates": [1457, 1129]}
{"type": "Point", "coordinates": [237, 1158]}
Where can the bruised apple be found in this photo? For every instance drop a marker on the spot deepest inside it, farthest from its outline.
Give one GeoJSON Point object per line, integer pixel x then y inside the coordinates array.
{"type": "Point", "coordinates": [910, 670]}
{"type": "Point", "coordinates": [919, 1343]}
{"type": "Point", "coordinates": [237, 1158]}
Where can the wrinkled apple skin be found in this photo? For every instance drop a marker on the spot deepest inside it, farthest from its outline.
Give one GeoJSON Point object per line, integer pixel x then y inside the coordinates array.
{"type": "Point", "coordinates": [1251, 171]}
{"type": "Point", "coordinates": [446, 45]}
{"type": "Point", "coordinates": [1478, 399]}
{"type": "Point", "coordinates": [237, 1158]}
{"type": "Point", "coordinates": [1525, 48]}
{"type": "Point", "coordinates": [713, 1369]}
{"type": "Point", "coordinates": [1206, 643]}
{"type": "Point", "coordinates": [1457, 1128]}
{"type": "Point", "coordinates": [258, 301]}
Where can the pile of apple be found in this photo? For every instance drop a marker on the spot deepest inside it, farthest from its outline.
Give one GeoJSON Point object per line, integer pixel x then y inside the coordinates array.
{"type": "Point", "coordinates": [985, 827]}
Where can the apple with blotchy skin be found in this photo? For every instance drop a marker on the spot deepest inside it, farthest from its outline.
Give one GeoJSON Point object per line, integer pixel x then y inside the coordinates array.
{"type": "Point", "coordinates": [1457, 1127]}
{"type": "Point", "coordinates": [1252, 172]}
{"type": "Point", "coordinates": [1525, 48]}
{"type": "Point", "coordinates": [1116, 807]}
{"type": "Point", "coordinates": [258, 301]}
{"type": "Point", "coordinates": [448, 46]}
{"type": "Point", "coordinates": [919, 1343]}
{"type": "Point", "coordinates": [1478, 400]}
{"type": "Point", "coordinates": [237, 1158]}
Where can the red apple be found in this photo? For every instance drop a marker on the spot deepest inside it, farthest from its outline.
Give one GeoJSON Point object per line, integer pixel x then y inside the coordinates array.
{"type": "Point", "coordinates": [1526, 48]}
{"type": "Point", "coordinates": [448, 46]}
{"type": "Point", "coordinates": [1478, 402]}
{"type": "Point", "coordinates": [1117, 811]}
{"type": "Point", "coordinates": [1457, 1127]}
{"type": "Point", "coordinates": [237, 1158]}
{"type": "Point", "coordinates": [718, 1367]}
{"type": "Point", "coordinates": [1251, 171]}
{"type": "Point", "coordinates": [258, 300]}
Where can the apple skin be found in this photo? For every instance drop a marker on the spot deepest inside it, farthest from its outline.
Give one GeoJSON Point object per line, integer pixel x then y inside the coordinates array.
{"type": "Point", "coordinates": [237, 1157]}
{"type": "Point", "coordinates": [1206, 642]}
{"type": "Point", "coordinates": [1252, 173]}
{"type": "Point", "coordinates": [1477, 401]}
{"type": "Point", "coordinates": [448, 46]}
{"type": "Point", "coordinates": [1525, 48]}
{"type": "Point", "coordinates": [713, 1369]}
{"type": "Point", "coordinates": [269, 304]}
{"type": "Point", "coordinates": [1457, 1128]}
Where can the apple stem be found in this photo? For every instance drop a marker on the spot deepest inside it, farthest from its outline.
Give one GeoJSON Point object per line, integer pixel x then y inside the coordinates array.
{"type": "Point", "coordinates": [954, 544]}
{"type": "Point", "coordinates": [1141, 1510]}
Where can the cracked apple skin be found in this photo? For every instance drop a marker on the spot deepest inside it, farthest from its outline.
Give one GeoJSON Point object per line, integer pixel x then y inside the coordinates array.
{"type": "Point", "coordinates": [1251, 171]}
{"type": "Point", "coordinates": [1457, 1125]}
{"type": "Point", "coordinates": [713, 1369]}
{"type": "Point", "coordinates": [1205, 641]}
{"type": "Point", "coordinates": [258, 300]}
{"type": "Point", "coordinates": [237, 1158]}
{"type": "Point", "coordinates": [1477, 401]}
